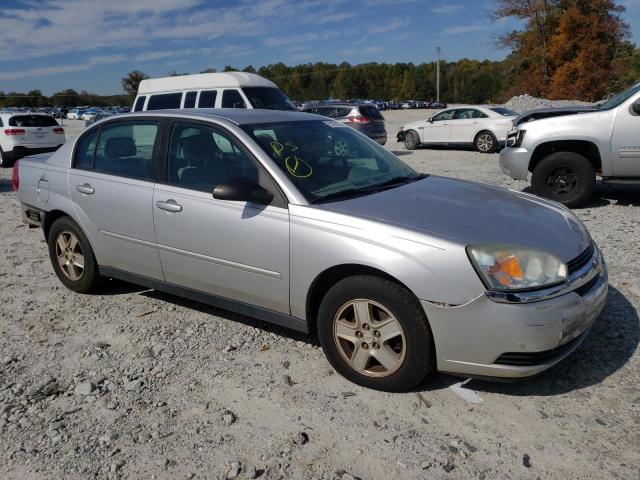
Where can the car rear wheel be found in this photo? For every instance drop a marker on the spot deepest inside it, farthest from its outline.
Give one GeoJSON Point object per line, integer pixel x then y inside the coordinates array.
{"type": "Point", "coordinates": [4, 161]}
{"type": "Point", "coordinates": [72, 257]}
{"type": "Point", "coordinates": [485, 142]}
{"type": "Point", "coordinates": [411, 140]}
{"type": "Point", "coordinates": [565, 177]}
{"type": "Point", "coordinates": [375, 333]}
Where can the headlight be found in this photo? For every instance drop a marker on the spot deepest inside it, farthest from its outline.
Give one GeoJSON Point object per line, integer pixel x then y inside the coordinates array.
{"type": "Point", "coordinates": [515, 138]}
{"type": "Point", "coordinates": [504, 267]}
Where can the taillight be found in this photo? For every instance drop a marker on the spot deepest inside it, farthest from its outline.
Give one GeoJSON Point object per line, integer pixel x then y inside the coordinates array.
{"type": "Point", "coordinates": [15, 178]}
{"type": "Point", "coordinates": [58, 130]}
{"type": "Point", "coordinates": [14, 131]}
{"type": "Point", "coordinates": [359, 119]}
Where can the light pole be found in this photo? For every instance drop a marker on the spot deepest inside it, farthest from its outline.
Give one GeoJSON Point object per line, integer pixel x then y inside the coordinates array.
{"type": "Point", "coordinates": [438, 50]}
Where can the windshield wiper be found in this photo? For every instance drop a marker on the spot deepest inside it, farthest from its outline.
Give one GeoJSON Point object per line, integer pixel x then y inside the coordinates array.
{"type": "Point", "coordinates": [354, 192]}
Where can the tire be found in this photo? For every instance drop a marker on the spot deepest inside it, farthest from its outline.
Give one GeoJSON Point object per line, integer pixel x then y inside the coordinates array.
{"type": "Point", "coordinates": [565, 177]}
{"type": "Point", "coordinates": [407, 354]}
{"type": "Point", "coordinates": [411, 140]}
{"type": "Point", "coordinates": [485, 142]}
{"type": "Point", "coordinates": [76, 253]}
{"type": "Point", "coordinates": [4, 161]}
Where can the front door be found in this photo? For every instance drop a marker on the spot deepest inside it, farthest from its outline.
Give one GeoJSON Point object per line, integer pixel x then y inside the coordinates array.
{"type": "Point", "coordinates": [438, 130]}
{"type": "Point", "coordinates": [236, 250]}
{"type": "Point", "coordinates": [626, 141]}
{"type": "Point", "coordinates": [111, 185]}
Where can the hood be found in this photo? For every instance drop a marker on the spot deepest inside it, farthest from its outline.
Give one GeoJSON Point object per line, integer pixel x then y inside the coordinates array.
{"type": "Point", "coordinates": [472, 213]}
{"type": "Point", "coordinates": [541, 113]}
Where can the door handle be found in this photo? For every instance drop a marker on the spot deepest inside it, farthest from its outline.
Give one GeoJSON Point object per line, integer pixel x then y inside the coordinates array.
{"type": "Point", "coordinates": [86, 189]}
{"type": "Point", "coordinates": [169, 206]}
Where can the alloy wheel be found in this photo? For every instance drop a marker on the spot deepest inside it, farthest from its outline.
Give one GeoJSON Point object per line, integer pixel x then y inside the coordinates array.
{"type": "Point", "coordinates": [485, 142]}
{"type": "Point", "coordinates": [562, 180]}
{"type": "Point", "coordinates": [369, 337]}
{"type": "Point", "coordinates": [69, 255]}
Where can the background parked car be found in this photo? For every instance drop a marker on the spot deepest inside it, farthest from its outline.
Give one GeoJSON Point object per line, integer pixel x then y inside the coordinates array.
{"type": "Point", "coordinates": [27, 134]}
{"type": "Point", "coordinates": [75, 114]}
{"type": "Point", "coordinates": [367, 119]}
{"type": "Point", "coordinates": [484, 128]}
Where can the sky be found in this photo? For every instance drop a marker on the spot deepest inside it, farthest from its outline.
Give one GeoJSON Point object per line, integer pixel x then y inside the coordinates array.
{"type": "Point", "coordinates": [90, 45]}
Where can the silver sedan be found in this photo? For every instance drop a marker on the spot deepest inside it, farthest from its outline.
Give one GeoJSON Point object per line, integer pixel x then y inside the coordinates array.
{"type": "Point", "coordinates": [399, 273]}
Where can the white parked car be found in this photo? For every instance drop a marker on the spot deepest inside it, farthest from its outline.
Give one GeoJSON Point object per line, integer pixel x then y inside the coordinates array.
{"type": "Point", "coordinates": [75, 114]}
{"type": "Point", "coordinates": [484, 128]}
{"type": "Point", "coordinates": [23, 134]}
{"type": "Point", "coordinates": [89, 115]}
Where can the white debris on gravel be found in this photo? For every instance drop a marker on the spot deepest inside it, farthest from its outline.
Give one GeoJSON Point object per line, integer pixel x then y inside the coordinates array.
{"type": "Point", "coordinates": [526, 102]}
{"type": "Point", "coordinates": [157, 396]}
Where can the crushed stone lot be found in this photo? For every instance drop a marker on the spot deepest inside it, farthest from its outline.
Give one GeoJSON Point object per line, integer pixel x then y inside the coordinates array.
{"type": "Point", "coordinates": [132, 383]}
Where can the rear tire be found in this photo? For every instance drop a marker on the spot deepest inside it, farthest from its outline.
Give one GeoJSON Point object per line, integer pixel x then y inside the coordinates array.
{"type": "Point", "coordinates": [375, 333]}
{"type": "Point", "coordinates": [485, 142]}
{"type": "Point", "coordinates": [565, 177]}
{"type": "Point", "coordinates": [72, 257]}
{"type": "Point", "coordinates": [4, 161]}
{"type": "Point", "coordinates": [411, 140]}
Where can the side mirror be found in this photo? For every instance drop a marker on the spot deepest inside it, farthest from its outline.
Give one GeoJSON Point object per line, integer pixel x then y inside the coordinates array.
{"type": "Point", "coordinates": [242, 190]}
{"type": "Point", "coordinates": [636, 106]}
{"type": "Point", "coordinates": [430, 120]}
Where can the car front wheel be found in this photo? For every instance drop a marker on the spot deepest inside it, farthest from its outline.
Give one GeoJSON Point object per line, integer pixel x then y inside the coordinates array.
{"type": "Point", "coordinates": [411, 140]}
{"type": "Point", "coordinates": [72, 257]}
{"type": "Point", "coordinates": [566, 177]}
{"type": "Point", "coordinates": [375, 333]}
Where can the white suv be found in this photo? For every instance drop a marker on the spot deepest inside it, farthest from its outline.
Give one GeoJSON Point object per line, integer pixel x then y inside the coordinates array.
{"type": "Point", "coordinates": [23, 134]}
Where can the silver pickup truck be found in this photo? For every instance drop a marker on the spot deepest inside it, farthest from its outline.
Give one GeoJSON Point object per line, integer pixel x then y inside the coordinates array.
{"type": "Point", "coordinates": [565, 148]}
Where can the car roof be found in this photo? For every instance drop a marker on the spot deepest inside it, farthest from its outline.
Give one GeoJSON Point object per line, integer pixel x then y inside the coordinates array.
{"type": "Point", "coordinates": [239, 116]}
{"type": "Point", "coordinates": [201, 81]}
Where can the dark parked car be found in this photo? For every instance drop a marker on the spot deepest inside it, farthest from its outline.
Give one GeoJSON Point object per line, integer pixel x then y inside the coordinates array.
{"type": "Point", "coordinates": [367, 119]}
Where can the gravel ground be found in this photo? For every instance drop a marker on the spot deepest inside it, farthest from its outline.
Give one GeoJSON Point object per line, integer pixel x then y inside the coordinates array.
{"type": "Point", "coordinates": [132, 383]}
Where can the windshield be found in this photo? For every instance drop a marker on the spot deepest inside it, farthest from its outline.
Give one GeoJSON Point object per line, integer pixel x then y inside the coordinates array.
{"type": "Point", "coordinates": [268, 98]}
{"type": "Point", "coordinates": [327, 160]}
{"type": "Point", "coordinates": [505, 112]}
{"type": "Point", "coordinates": [619, 98]}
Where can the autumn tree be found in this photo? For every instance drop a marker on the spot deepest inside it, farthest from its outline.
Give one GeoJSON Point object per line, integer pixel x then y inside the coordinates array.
{"type": "Point", "coordinates": [586, 52]}
{"type": "Point", "coordinates": [131, 82]}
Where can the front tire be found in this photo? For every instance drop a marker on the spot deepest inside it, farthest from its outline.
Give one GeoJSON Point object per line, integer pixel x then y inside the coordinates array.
{"type": "Point", "coordinates": [375, 333]}
{"type": "Point", "coordinates": [72, 256]}
{"type": "Point", "coordinates": [566, 177]}
{"type": "Point", "coordinates": [411, 140]}
{"type": "Point", "coordinates": [485, 142]}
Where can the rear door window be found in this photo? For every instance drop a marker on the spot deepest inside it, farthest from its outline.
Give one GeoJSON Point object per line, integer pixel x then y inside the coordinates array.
{"type": "Point", "coordinates": [208, 99]}
{"type": "Point", "coordinates": [32, 121]}
{"type": "Point", "coordinates": [343, 112]}
{"type": "Point", "coordinates": [126, 149]}
{"type": "Point", "coordinates": [190, 99]}
{"type": "Point", "coordinates": [232, 99]}
{"type": "Point", "coordinates": [164, 101]}
{"type": "Point", "coordinates": [139, 104]}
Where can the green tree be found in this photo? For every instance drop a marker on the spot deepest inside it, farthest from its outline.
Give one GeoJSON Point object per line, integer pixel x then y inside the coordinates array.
{"type": "Point", "coordinates": [131, 82]}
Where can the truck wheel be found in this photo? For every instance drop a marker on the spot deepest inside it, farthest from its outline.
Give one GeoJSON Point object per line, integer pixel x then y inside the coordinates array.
{"type": "Point", "coordinates": [376, 334]}
{"type": "Point", "coordinates": [411, 140]}
{"type": "Point", "coordinates": [72, 257]}
{"type": "Point", "coordinates": [485, 142]}
{"type": "Point", "coordinates": [566, 177]}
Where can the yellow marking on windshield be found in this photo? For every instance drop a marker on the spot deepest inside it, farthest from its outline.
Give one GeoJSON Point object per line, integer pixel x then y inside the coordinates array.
{"type": "Point", "coordinates": [298, 167]}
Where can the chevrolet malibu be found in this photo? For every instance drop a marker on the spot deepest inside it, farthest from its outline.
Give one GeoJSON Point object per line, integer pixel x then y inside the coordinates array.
{"type": "Point", "coordinates": [399, 273]}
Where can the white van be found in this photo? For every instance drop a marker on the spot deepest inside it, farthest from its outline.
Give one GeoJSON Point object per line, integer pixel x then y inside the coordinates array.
{"type": "Point", "coordinates": [211, 90]}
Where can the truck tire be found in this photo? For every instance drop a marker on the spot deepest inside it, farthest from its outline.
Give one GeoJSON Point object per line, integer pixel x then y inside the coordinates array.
{"type": "Point", "coordinates": [72, 257]}
{"type": "Point", "coordinates": [375, 333]}
{"type": "Point", "coordinates": [485, 142]}
{"type": "Point", "coordinates": [565, 177]}
{"type": "Point", "coordinates": [411, 140]}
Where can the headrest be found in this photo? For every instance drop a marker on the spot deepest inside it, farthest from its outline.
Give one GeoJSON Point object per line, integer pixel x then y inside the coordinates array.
{"type": "Point", "coordinates": [118, 147]}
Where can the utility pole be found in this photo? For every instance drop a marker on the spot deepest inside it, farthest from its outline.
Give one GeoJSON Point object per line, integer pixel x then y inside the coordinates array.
{"type": "Point", "coordinates": [438, 50]}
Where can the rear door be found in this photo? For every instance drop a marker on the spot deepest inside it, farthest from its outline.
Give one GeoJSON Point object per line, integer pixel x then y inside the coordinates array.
{"type": "Point", "coordinates": [236, 250]}
{"type": "Point", "coordinates": [465, 124]}
{"type": "Point", "coordinates": [111, 185]}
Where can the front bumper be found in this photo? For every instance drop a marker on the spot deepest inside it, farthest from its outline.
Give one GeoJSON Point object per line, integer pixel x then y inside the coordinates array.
{"type": "Point", "coordinates": [490, 338]}
{"type": "Point", "coordinates": [514, 162]}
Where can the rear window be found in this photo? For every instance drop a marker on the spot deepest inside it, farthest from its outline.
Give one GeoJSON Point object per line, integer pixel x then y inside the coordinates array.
{"type": "Point", "coordinates": [268, 98]}
{"type": "Point", "coordinates": [190, 99]}
{"type": "Point", "coordinates": [343, 111]}
{"type": "Point", "coordinates": [505, 112]}
{"type": "Point", "coordinates": [139, 104]}
{"type": "Point", "coordinates": [232, 99]}
{"type": "Point", "coordinates": [208, 99]}
{"type": "Point", "coordinates": [32, 121]}
{"type": "Point", "coordinates": [164, 101]}
{"type": "Point", "coordinates": [370, 112]}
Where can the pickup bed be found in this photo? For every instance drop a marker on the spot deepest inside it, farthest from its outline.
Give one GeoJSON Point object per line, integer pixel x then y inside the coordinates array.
{"type": "Point", "coordinates": [566, 148]}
